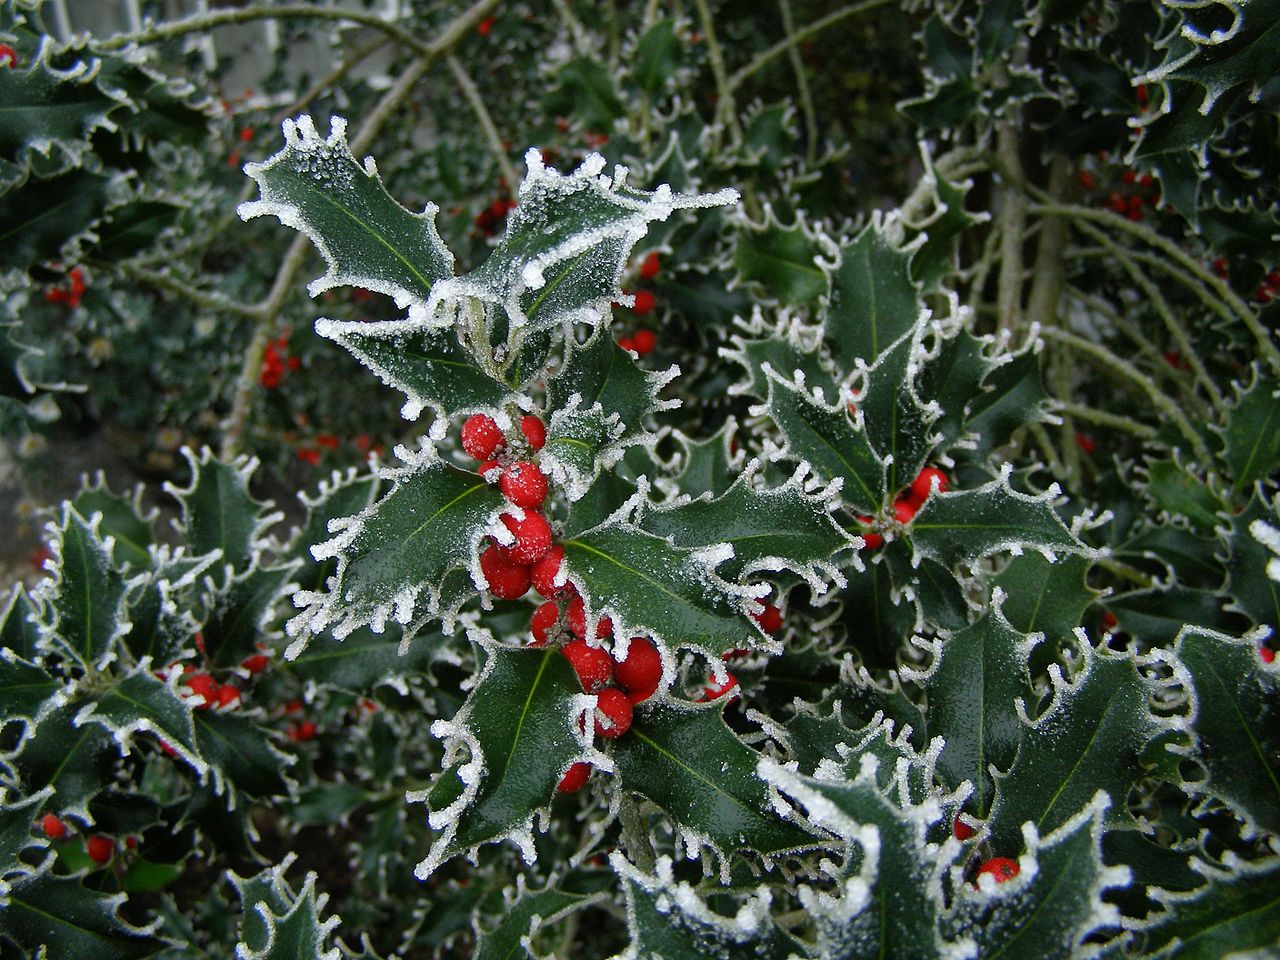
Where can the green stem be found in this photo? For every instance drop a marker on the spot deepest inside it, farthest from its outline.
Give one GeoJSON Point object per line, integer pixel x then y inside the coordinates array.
{"type": "Point", "coordinates": [802, 85]}
{"type": "Point", "coordinates": [575, 28]}
{"type": "Point", "coordinates": [726, 112]}
{"type": "Point", "coordinates": [634, 834]}
{"type": "Point", "coordinates": [1123, 570]}
{"type": "Point", "coordinates": [1056, 466]}
{"type": "Point", "coordinates": [485, 119]}
{"type": "Point", "coordinates": [1105, 419]}
{"type": "Point", "coordinates": [201, 298]}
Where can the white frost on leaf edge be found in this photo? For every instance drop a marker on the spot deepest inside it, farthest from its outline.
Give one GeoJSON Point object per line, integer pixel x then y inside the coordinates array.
{"type": "Point", "coordinates": [305, 896]}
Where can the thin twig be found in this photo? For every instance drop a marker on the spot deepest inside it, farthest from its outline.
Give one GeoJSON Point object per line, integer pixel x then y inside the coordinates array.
{"type": "Point", "coordinates": [726, 112]}
{"type": "Point", "coordinates": [802, 85]}
{"type": "Point", "coordinates": [1104, 418]}
{"type": "Point", "coordinates": [485, 119]}
{"type": "Point", "coordinates": [331, 79]}
{"type": "Point", "coordinates": [207, 299]}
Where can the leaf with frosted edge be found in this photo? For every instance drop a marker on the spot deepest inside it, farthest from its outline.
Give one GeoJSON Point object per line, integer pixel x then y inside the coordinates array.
{"type": "Point", "coordinates": [877, 618]}
{"type": "Point", "coordinates": [953, 376]}
{"type": "Point", "coordinates": [26, 690]}
{"type": "Point", "coordinates": [240, 753]}
{"type": "Point", "coordinates": [239, 613]}
{"type": "Point", "coordinates": [1251, 590]}
{"type": "Point", "coordinates": [1095, 734]}
{"type": "Point", "coordinates": [16, 834]}
{"type": "Point", "coordinates": [1157, 615]}
{"type": "Point", "coordinates": [396, 555]}
{"type": "Point", "coordinates": [142, 702]}
{"type": "Point", "coordinates": [648, 585]}
{"type": "Point", "coordinates": [566, 244]}
{"type": "Point", "coordinates": [341, 495]}
{"type": "Point", "coordinates": [786, 527]}
{"type": "Point", "coordinates": [967, 524]}
{"type": "Point", "coordinates": [1252, 433]}
{"type": "Point", "coordinates": [874, 302]}
{"type": "Point", "coordinates": [1175, 488]}
{"type": "Point", "coordinates": [123, 519]}
{"type": "Point", "coordinates": [580, 443]}
{"type": "Point", "coordinates": [1054, 903]}
{"type": "Point", "coordinates": [897, 423]}
{"type": "Point", "coordinates": [1045, 597]}
{"type": "Point", "coordinates": [365, 660]}
{"type": "Point", "coordinates": [427, 364]}
{"type": "Point", "coordinates": [707, 466]}
{"type": "Point", "coordinates": [279, 923]}
{"type": "Point", "coordinates": [83, 602]}
{"type": "Point", "coordinates": [783, 262]}
{"type": "Point", "coordinates": [888, 900]}
{"type": "Point", "coordinates": [787, 345]}
{"type": "Point", "coordinates": [518, 733]}
{"type": "Point", "coordinates": [1012, 396]}
{"type": "Point", "coordinates": [826, 438]}
{"type": "Point", "coordinates": [684, 758]}
{"type": "Point", "coordinates": [1236, 722]}
{"type": "Point", "coordinates": [160, 622]}
{"type": "Point", "coordinates": [1232, 914]}
{"type": "Point", "coordinates": [523, 916]}
{"type": "Point", "coordinates": [67, 919]}
{"type": "Point", "coordinates": [76, 761]}
{"type": "Point", "coordinates": [1189, 557]}
{"type": "Point", "coordinates": [368, 239]}
{"type": "Point", "coordinates": [603, 498]}
{"type": "Point", "coordinates": [18, 630]}
{"type": "Point", "coordinates": [671, 920]}
{"type": "Point", "coordinates": [816, 740]}
{"type": "Point", "coordinates": [977, 677]}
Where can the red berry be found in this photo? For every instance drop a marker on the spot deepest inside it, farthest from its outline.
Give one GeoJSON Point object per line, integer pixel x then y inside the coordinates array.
{"type": "Point", "coordinates": [534, 430]}
{"type": "Point", "coordinates": [488, 465]}
{"type": "Point", "coordinates": [1087, 180]}
{"type": "Point", "coordinates": [523, 484]}
{"type": "Point", "coordinates": [1000, 868]}
{"type": "Point", "coordinates": [1108, 620]}
{"type": "Point", "coordinates": [1272, 280]}
{"type": "Point", "coordinates": [1267, 654]}
{"type": "Point", "coordinates": [226, 695]}
{"type": "Point", "coordinates": [204, 685]}
{"type": "Point", "coordinates": [533, 538]}
{"type": "Point", "coordinates": [872, 539]}
{"type": "Point", "coordinates": [576, 617]}
{"type": "Point", "coordinates": [306, 730]}
{"type": "Point", "coordinates": [100, 848]}
{"type": "Point", "coordinates": [1128, 176]}
{"type": "Point", "coordinates": [53, 828]}
{"type": "Point", "coordinates": [645, 301]}
{"type": "Point", "coordinates": [257, 663]}
{"type": "Point", "coordinates": [131, 843]}
{"type": "Point", "coordinates": [650, 266]}
{"type": "Point", "coordinates": [922, 485]}
{"type": "Point", "coordinates": [484, 26]}
{"type": "Point", "coordinates": [714, 690]}
{"type": "Point", "coordinates": [613, 713]}
{"type": "Point", "coordinates": [643, 342]}
{"type": "Point", "coordinates": [904, 510]}
{"type": "Point", "coordinates": [507, 579]}
{"type": "Point", "coordinates": [543, 619]}
{"type": "Point", "coordinates": [8, 56]}
{"type": "Point", "coordinates": [575, 778]}
{"type": "Point", "coordinates": [1085, 443]}
{"type": "Point", "coordinates": [544, 571]}
{"type": "Point", "coordinates": [293, 706]}
{"type": "Point", "coordinates": [481, 435]}
{"type": "Point", "coordinates": [641, 671]}
{"type": "Point", "coordinates": [626, 343]}
{"type": "Point", "coordinates": [961, 830]}
{"type": "Point", "coordinates": [593, 666]}
{"type": "Point", "coordinates": [604, 627]}
{"type": "Point", "coordinates": [770, 618]}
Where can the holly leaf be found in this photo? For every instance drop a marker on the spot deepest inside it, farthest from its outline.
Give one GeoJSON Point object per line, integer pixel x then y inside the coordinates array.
{"type": "Point", "coordinates": [340, 496]}
{"type": "Point", "coordinates": [160, 602]}
{"type": "Point", "coordinates": [1251, 590]}
{"type": "Point", "coordinates": [657, 56]}
{"type": "Point", "coordinates": [40, 216]}
{"type": "Point", "coordinates": [1158, 614]}
{"type": "Point", "coordinates": [935, 258]}
{"type": "Point", "coordinates": [896, 421]}
{"type": "Point", "coordinates": [239, 612]}
{"type": "Point", "coordinates": [278, 922]}
{"type": "Point", "coordinates": [365, 660]}
{"type": "Point", "coordinates": [16, 834]}
{"type": "Point", "coordinates": [26, 690]}
{"type": "Point", "coordinates": [966, 524]}
{"type": "Point", "coordinates": [77, 761]}
{"type": "Point", "coordinates": [1173, 488]}
{"type": "Point", "coordinates": [1252, 433]}
{"type": "Point", "coordinates": [876, 617]}
{"type": "Point", "coordinates": [123, 520]}
{"type": "Point", "coordinates": [874, 301]}
{"type": "Point", "coordinates": [368, 239]}
{"type": "Point", "coordinates": [395, 557]}
{"type": "Point", "coordinates": [522, 919]}
{"type": "Point", "coordinates": [143, 702]}
{"type": "Point", "coordinates": [1095, 734]}
{"type": "Point", "coordinates": [18, 628]}
{"type": "Point", "coordinates": [782, 263]}
{"type": "Point", "coordinates": [517, 734]}
{"type": "Point", "coordinates": [787, 346]}
{"type": "Point", "coordinates": [707, 466]}
{"type": "Point", "coordinates": [1012, 396]}
{"type": "Point", "coordinates": [1235, 722]}
{"type": "Point", "coordinates": [1045, 597]}
{"type": "Point", "coordinates": [786, 527]}
{"type": "Point", "coordinates": [684, 758]}
{"type": "Point", "coordinates": [239, 753]}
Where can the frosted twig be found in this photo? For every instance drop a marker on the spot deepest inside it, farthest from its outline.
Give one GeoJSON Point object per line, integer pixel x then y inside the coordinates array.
{"type": "Point", "coordinates": [485, 119]}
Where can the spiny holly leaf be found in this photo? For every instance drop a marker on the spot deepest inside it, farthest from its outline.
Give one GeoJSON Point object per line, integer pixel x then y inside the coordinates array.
{"type": "Point", "coordinates": [26, 690]}
{"type": "Point", "coordinates": [239, 753]}
{"type": "Point", "coordinates": [935, 258]}
{"type": "Point", "coordinates": [783, 263]}
{"type": "Point", "coordinates": [1252, 433]}
{"type": "Point", "coordinates": [1252, 591]}
{"type": "Point", "coordinates": [1012, 396]}
{"type": "Point", "coordinates": [123, 519]}
{"type": "Point", "coordinates": [600, 398]}
{"type": "Point", "coordinates": [160, 601]}
{"type": "Point", "coordinates": [1054, 902]}
{"type": "Point", "coordinates": [143, 702]}
{"type": "Point", "coordinates": [239, 613]}
{"type": "Point", "coordinates": [368, 239]}
{"type": "Point", "coordinates": [340, 496]}
{"type": "Point", "coordinates": [1094, 735]}
{"type": "Point", "coordinates": [44, 911]}
{"type": "Point", "coordinates": [395, 557]}
{"type": "Point", "coordinates": [83, 601]}
{"type": "Point", "coordinates": [897, 422]}
{"type": "Point", "coordinates": [788, 346]}
{"type": "Point", "coordinates": [1158, 614]}
{"type": "Point", "coordinates": [38, 218]}
{"type": "Point", "coordinates": [648, 585]}
{"type": "Point", "coordinates": [279, 923]}
{"type": "Point", "coordinates": [1174, 488]}
{"type": "Point", "coordinates": [1045, 597]}
{"type": "Point", "coordinates": [529, 911]}
{"type": "Point", "coordinates": [953, 377]}
{"type": "Point", "coordinates": [826, 438]}
{"type": "Point", "coordinates": [673, 921]}
{"type": "Point", "coordinates": [1233, 914]}
{"type": "Point", "coordinates": [603, 498]}
{"type": "Point", "coordinates": [427, 364]}
{"type": "Point", "coordinates": [218, 512]}
{"type": "Point", "coordinates": [1236, 721]}
{"type": "Point", "coordinates": [518, 733]}
{"type": "Point", "coordinates": [1187, 556]}
{"type": "Point", "coordinates": [710, 465]}
{"type": "Point", "coordinates": [566, 244]}
{"type": "Point", "coordinates": [18, 630]}
{"type": "Point", "coordinates": [787, 527]}
{"type": "Point", "coordinates": [974, 684]}
{"type": "Point", "coordinates": [16, 834]}
{"type": "Point", "coordinates": [815, 740]}
{"type": "Point", "coordinates": [365, 660]}
{"type": "Point", "coordinates": [77, 761]}
{"type": "Point", "coordinates": [658, 54]}
{"type": "Point", "coordinates": [967, 524]}
{"type": "Point", "coordinates": [684, 758]}
{"type": "Point", "coordinates": [874, 301]}
{"type": "Point", "coordinates": [877, 618]}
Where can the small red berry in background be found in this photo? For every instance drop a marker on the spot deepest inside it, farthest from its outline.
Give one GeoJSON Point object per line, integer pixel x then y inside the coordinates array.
{"type": "Point", "coordinates": [507, 580]}
{"type": "Point", "coordinates": [640, 672]}
{"type": "Point", "coordinates": [481, 436]}
{"type": "Point", "coordinates": [256, 663]}
{"type": "Point", "coordinates": [904, 511]}
{"type": "Point", "coordinates": [487, 466]}
{"type": "Point", "coordinates": [204, 685]}
{"type": "Point", "coordinates": [770, 618]}
{"type": "Point", "coordinates": [613, 713]}
{"type": "Point", "coordinates": [626, 343]}
{"type": "Point", "coordinates": [227, 695]}
{"type": "Point", "coordinates": [8, 56]}
{"type": "Point", "coordinates": [961, 830]}
{"type": "Point", "coordinates": [53, 828]}
{"type": "Point", "coordinates": [327, 440]}
{"type": "Point", "coordinates": [544, 571]}
{"type": "Point", "coordinates": [645, 302]}
{"type": "Point", "coordinates": [131, 843]}
{"type": "Point", "coordinates": [1267, 654]}
{"type": "Point", "coordinates": [1108, 620]}
{"type": "Point", "coordinates": [534, 430]}
{"type": "Point", "coordinates": [309, 455]}
{"type": "Point", "coordinates": [1085, 443]}
{"type": "Point", "coordinates": [293, 706]}
{"type": "Point", "coordinates": [714, 690]}
{"type": "Point", "coordinates": [304, 731]}
{"type": "Point", "coordinates": [650, 266]}
{"type": "Point", "coordinates": [922, 485]}
{"type": "Point", "coordinates": [592, 664]}
{"type": "Point", "coordinates": [1087, 180]}
{"type": "Point", "coordinates": [543, 619]}
{"type": "Point", "coordinates": [532, 538]}
{"type": "Point", "coordinates": [575, 778]}
{"type": "Point", "coordinates": [871, 539]}
{"type": "Point", "coordinates": [100, 849]}
{"type": "Point", "coordinates": [523, 484]}
{"type": "Point", "coordinates": [1000, 868]}
{"type": "Point", "coordinates": [485, 26]}
{"type": "Point", "coordinates": [643, 342]}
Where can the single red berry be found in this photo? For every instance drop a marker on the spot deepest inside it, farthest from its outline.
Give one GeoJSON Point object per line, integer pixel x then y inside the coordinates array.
{"type": "Point", "coordinates": [643, 342]}
{"type": "Point", "coordinates": [1129, 176]}
{"type": "Point", "coordinates": [575, 778]}
{"type": "Point", "coordinates": [1220, 266]}
{"type": "Point", "coordinates": [871, 539]}
{"type": "Point", "coordinates": [543, 619]}
{"type": "Point", "coordinates": [1087, 180]}
{"type": "Point", "coordinates": [204, 685]}
{"type": "Point", "coordinates": [626, 343]}
{"type": "Point", "coordinates": [507, 579]}
{"type": "Point", "coordinates": [1267, 654]}
{"type": "Point", "coordinates": [534, 430]}
{"type": "Point", "coordinates": [293, 706]}
{"type": "Point", "coordinates": [327, 440]}
{"type": "Point", "coordinates": [226, 695]}
{"type": "Point", "coordinates": [257, 663]}
{"type": "Point", "coordinates": [961, 830]}
{"type": "Point", "coordinates": [100, 848]}
{"type": "Point", "coordinates": [487, 466]}
{"type": "Point", "coordinates": [770, 618]}
{"type": "Point", "coordinates": [645, 302]}
{"type": "Point", "coordinates": [481, 435]}
{"type": "Point", "coordinates": [650, 266]}
{"type": "Point", "coordinates": [714, 690]}
{"type": "Point", "coordinates": [8, 56]}
{"type": "Point", "coordinates": [576, 617]}
{"type": "Point", "coordinates": [922, 485]}
{"type": "Point", "coordinates": [613, 713]}
{"type": "Point", "coordinates": [904, 510]}
{"type": "Point", "coordinates": [1000, 868]}
{"type": "Point", "coordinates": [53, 828]}
{"type": "Point", "coordinates": [640, 671]}
{"type": "Point", "coordinates": [484, 26]}
{"type": "Point", "coordinates": [309, 455]}
{"type": "Point", "coordinates": [306, 730]}
{"type": "Point", "coordinates": [533, 537]}
{"type": "Point", "coordinates": [1085, 443]}
{"type": "Point", "coordinates": [131, 843]}
{"type": "Point", "coordinates": [592, 664]}
{"type": "Point", "coordinates": [1108, 620]}
{"type": "Point", "coordinates": [604, 627]}
{"type": "Point", "coordinates": [1272, 280]}
{"type": "Point", "coordinates": [1262, 295]}
{"type": "Point", "coordinates": [523, 484]}
{"type": "Point", "coordinates": [544, 571]}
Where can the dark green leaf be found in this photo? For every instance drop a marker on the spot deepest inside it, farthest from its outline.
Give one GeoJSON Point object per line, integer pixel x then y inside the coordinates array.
{"type": "Point", "coordinates": [25, 689]}
{"type": "Point", "coordinates": [896, 422]}
{"type": "Point", "coordinates": [123, 519]}
{"type": "Point", "coordinates": [77, 761]}
{"type": "Point", "coordinates": [584, 89]}
{"type": "Point", "coordinates": [1176, 490]}
{"type": "Point", "coordinates": [364, 660]}
{"type": "Point", "coordinates": [1156, 616]}
{"type": "Point", "coordinates": [342, 495]}
{"type": "Point", "coordinates": [239, 613]}
{"type": "Point", "coordinates": [278, 922]}
{"type": "Point", "coordinates": [657, 56]}
{"type": "Point", "coordinates": [783, 263]}
{"type": "Point", "coordinates": [18, 828]}
{"type": "Point", "coordinates": [710, 465]}
{"type": "Point", "coordinates": [18, 632]}
{"type": "Point", "coordinates": [240, 752]}
{"type": "Point", "coordinates": [533, 910]}
{"type": "Point", "coordinates": [1233, 914]}
{"type": "Point", "coordinates": [1254, 593]}
{"type": "Point", "coordinates": [37, 218]}
{"type": "Point", "coordinates": [218, 512]}
{"type": "Point", "coordinates": [143, 702]}
{"type": "Point", "coordinates": [1044, 597]}
{"type": "Point", "coordinates": [787, 348]}
{"type": "Point", "coordinates": [1252, 433]}
{"type": "Point", "coordinates": [874, 301]}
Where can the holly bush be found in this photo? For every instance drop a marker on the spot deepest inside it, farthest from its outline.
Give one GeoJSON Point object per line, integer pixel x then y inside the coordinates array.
{"type": "Point", "coordinates": [803, 506]}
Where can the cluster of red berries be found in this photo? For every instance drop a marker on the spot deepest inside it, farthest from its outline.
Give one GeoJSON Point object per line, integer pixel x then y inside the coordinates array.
{"type": "Point", "coordinates": [1000, 869]}
{"type": "Point", "coordinates": [490, 220]}
{"type": "Point", "coordinates": [1128, 199]}
{"type": "Point", "coordinates": [1269, 288]}
{"type": "Point", "coordinates": [72, 294]}
{"type": "Point", "coordinates": [275, 361]}
{"type": "Point", "coordinates": [100, 848]}
{"type": "Point", "coordinates": [909, 502]}
{"type": "Point", "coordinates": [225, 696]}
{"type": "Point", "coordinates": [326, 441]}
